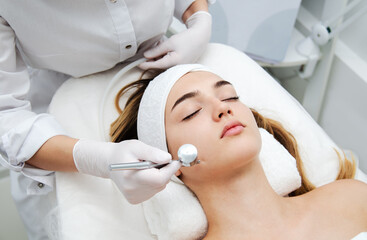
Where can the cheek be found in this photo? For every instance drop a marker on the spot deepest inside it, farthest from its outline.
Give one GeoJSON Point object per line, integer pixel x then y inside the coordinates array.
{"type": "Point", "coordinates": [202, 137]}
{"type": "Point", "coordinates": [195, 132]}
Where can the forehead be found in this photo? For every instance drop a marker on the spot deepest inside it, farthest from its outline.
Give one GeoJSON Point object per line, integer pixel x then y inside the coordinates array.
{"type": "Point", "coordinates": [194, 80]}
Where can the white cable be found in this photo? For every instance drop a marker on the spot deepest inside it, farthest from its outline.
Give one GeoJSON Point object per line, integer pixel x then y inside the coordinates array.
{"type": "Point", "coordinates": [347, 22]}
{"type": "Point", "coordinates": [346, 10]}
{"type": "Point", "coordinates": [107, 91]}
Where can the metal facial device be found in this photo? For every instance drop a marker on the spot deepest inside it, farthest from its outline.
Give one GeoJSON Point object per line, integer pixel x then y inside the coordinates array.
{"type": "Point", "coordinates": [187, 155]}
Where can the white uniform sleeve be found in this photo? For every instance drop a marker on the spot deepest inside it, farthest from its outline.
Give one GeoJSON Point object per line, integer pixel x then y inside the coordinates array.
{"type": "Point", "coordinates": [22, 132]}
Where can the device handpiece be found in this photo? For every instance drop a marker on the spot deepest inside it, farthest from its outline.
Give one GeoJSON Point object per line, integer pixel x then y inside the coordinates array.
{"type": "Point", "coordinates": [187, 155]}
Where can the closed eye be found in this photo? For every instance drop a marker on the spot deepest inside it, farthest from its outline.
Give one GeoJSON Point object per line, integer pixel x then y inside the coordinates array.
{"type": "Point", "coordinates": [235, 98]}
{"type": "Point", "coordinates": [232, 98]}
{"type": "Point", "coordinates": [191, 115]}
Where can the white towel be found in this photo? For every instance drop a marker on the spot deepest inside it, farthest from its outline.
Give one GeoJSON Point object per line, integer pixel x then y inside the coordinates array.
{"type": "Point", "coordinates": [361, 236]}
{"type": "Point", "coordinates": [279, 166]}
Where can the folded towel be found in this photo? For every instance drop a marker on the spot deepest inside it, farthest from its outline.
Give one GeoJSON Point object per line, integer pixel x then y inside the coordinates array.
{"type": "Point", "coordinates": [279, 166]}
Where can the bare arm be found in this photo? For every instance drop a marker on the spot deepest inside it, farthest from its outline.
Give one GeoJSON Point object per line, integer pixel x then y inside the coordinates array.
{"type": "Point", "coordinates": [56, 154]}
{"type": "Point", "coordinates": [198, 5]}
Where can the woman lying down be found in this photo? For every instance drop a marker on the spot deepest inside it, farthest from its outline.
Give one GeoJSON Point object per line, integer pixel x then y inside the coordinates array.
{"type": "Point", "coordinates": [201, 108]}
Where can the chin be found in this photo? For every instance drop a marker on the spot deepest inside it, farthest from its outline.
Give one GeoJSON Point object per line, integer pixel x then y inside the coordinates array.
{"type": "Point", "coordinates": [239, 153]}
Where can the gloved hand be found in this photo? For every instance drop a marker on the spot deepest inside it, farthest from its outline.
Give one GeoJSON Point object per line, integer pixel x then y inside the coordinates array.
{"type": "Point", "coordinates": [184, 47]}
{"type": "Point", "coordinates": [93, 158]}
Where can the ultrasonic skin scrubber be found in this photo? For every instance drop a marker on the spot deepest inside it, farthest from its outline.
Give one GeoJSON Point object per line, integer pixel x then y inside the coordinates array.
{"type": "Point", "coordinates": [187, 155]}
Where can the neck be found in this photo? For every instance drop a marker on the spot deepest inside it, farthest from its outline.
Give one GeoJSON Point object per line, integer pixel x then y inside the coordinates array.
{"type": "Point", "coordinates": [243, 203]}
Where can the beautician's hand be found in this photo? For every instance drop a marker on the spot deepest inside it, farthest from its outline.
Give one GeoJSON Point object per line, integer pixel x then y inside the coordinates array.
{"type": "Point", "coordinates": [92, 157]}
{"type": "Point", "coordinates": [184, 47]}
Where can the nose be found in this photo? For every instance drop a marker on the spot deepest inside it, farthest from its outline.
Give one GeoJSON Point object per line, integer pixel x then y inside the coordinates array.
{"type": "Point", "coordinates": [221, 110]}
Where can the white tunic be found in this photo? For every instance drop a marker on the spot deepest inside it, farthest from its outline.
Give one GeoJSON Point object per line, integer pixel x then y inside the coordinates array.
{"type": "Point", "coordinates": [64, 38]}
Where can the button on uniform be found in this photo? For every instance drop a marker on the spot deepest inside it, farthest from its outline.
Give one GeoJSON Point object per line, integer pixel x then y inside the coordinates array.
{"type": "Point", "coordinates": [113, 1]}
{"type": "Point", "coordinates": [40, 185]}
{"type": "Point", "coordinates": [128, 46]}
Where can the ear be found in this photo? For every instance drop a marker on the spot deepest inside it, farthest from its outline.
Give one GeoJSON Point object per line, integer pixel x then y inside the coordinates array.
{"type": "Point", "coordinates": [178, 173]}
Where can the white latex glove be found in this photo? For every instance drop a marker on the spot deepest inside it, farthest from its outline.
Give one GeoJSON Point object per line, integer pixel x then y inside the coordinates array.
{"type": "Point", "coordinates": [184, 47]}
{"type": "Point", "coordinates": [93, 158]}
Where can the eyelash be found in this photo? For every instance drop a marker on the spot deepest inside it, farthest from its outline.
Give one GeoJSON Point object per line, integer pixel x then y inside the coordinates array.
{"type": "Point", "coordinates": [191, 115]}
{"type": "Point", "coordinates": [232, 98]}
{"type": "Point", "coordinates": [194, 113]}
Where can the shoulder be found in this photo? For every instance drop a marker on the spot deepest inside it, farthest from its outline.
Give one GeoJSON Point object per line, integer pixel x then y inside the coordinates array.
{"type": "Point", "coordinates": [339, 206]}
{"type": "Point", "coordinates": [348, 188]}
{"type": "Point", "coordinates": [344, 195]}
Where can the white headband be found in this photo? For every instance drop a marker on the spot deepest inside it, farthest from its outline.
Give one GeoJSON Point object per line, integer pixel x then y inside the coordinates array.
{"type": "Point", "coordinates": [150, 123]}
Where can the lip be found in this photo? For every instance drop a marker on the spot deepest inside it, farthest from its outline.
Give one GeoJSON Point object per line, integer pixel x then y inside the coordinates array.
{"type": "Point", "coordinates": [232, 128]}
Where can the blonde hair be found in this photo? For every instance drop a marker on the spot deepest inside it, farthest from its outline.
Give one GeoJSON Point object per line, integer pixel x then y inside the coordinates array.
{"type": "Point", "coordinates": [125, 127]}
{"type": "Point", "coordinates": [347, 168]}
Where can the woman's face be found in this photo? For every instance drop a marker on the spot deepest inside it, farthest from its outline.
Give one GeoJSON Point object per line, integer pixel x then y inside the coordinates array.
{"type": "Point", "coordinates": [202, 109]}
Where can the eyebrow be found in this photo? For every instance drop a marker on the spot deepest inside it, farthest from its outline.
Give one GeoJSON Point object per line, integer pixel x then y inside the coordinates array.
{"type": "Point", "coordinates": [194, 94]}
{"type": "Point", "coordinates": [221, 83]}
{"type": "Point", "coordinates": [184, 97]}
